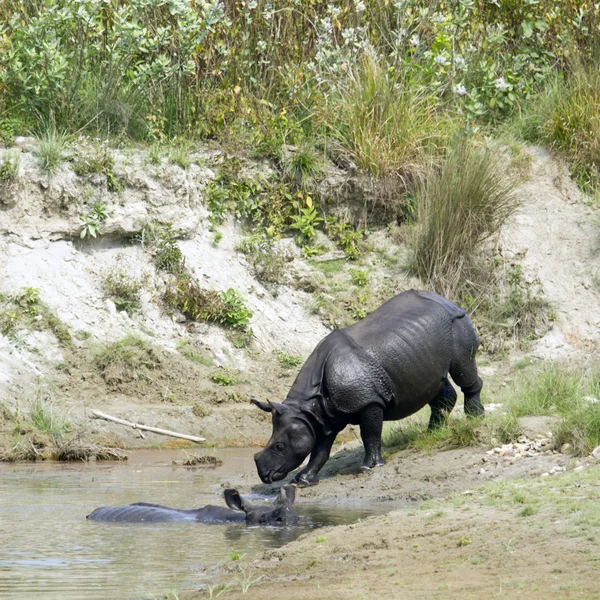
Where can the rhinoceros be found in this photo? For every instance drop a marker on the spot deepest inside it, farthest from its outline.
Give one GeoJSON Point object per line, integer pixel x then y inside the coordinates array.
{"type": "Point", "coordinates": [383, 368]}
{"type": "Point", "coordinates": [281, 513]}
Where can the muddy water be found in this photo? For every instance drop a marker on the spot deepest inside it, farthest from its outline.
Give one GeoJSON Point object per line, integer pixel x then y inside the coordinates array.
{"type": "Point", "coordinates": [49, 550]}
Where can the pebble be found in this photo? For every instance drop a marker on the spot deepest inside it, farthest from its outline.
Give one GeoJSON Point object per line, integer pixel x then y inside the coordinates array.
{"type": "Point", "coordinates": [596, 452]}
{"type": "Point", "coordinates": [482, 471]}
{"type": "Point", "coordinates": [545, 475]}
{"type": "Point", "coordinates": [566, 449]}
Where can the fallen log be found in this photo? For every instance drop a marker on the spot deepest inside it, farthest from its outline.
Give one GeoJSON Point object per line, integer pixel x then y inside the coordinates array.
{"type": "Point", "coordinates": [184, 436]}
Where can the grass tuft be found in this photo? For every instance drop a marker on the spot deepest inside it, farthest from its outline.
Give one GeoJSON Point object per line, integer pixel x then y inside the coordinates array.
{"type": "Point", "coordinates": [52, 150]}
{"type": "Point", "coordinates": [459, 207]}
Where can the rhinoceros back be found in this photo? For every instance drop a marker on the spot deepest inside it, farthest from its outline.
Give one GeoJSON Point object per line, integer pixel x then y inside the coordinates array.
{"type": "Point", "coordinates": [410, 337]}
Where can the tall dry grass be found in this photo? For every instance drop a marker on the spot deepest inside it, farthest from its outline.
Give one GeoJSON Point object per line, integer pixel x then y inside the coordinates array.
{"type": "Point", "coordinates": [460, 205]}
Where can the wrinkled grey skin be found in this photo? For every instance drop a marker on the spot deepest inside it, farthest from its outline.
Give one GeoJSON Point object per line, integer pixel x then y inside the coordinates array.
{"type": "Point", "coordinates": [281, 513]}
{"type": "Point", "coordinates": [383, 368]}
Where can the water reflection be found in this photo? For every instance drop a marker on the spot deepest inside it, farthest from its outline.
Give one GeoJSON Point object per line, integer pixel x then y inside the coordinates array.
{"type": "Point", "coordinates": [50, 550]}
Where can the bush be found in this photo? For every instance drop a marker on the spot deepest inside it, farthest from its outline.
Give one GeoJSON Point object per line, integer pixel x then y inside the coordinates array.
{"type": "Point", "coordinates": [123, 288]}
{"type": "Point", "coordinates": [196, 303]}
{"type": "Point", "coordinates": [459, 207]}
{"type": "Point", "coordinates": [267, 257]}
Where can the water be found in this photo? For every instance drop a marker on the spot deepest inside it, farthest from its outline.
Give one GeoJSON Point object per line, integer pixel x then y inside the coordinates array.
{"type": "Point", "coordinates": [49, 550]}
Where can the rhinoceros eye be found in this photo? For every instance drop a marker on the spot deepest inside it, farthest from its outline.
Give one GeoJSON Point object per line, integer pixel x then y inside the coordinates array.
{"type": "Point", "coordinates": [279, 447]}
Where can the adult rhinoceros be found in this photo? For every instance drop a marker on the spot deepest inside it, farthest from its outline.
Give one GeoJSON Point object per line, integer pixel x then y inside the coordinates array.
{"type": "Point", "coordinates": [383, 368]}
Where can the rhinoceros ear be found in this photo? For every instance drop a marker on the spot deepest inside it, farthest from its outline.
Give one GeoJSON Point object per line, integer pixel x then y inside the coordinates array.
{"type": "Point", "coordinates": [286, 496]}
{"type": "Point", "coordinates": [234, 500]}
{"type": "Point", "coordinates": [269, 406]}
{"type": "Point", "coordinates": [266, 406]}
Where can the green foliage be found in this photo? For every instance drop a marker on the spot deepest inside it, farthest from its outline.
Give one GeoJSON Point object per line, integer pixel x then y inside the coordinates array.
{"type": "Point", "coordinates": [190, 352]}
{"type": "Point", "coordinates": [289, 361]}
{"type": "Point", "coordinates": [237, 314]}
{"type": "Point", "coordinates": [93, 157]}
{"type": "Point", "coordinates": [52, 150]}
{"type": "Point", "coordinates": [160, 240]}
{"type": "Point", "coordinates": [460, 206]}
{"type": "Point", "coordinates": [360, 277]}
{"type": "Point", "coordinates": [305, 222]}
{"type": "Point", "coordinates": [302, 165]}
{"type": "Point", "coordinates": [91, 223]}
{"type": "Point", "coordinates": [347, 238]}
{"type": "Point", "coordinates": [45, 417]}
{"type": "Point", "coordinates": [223, 377]}
{"type": "Point", "coordinates": [26, 309]}
{"type": "Point", "coordinates": [196, 303]}
{"type": "Point", "coordinates": [458, 432]}
{"type": "Point", "coordinates": [10, 162]}
{"type": "Point", "coordinates": [180, 155]}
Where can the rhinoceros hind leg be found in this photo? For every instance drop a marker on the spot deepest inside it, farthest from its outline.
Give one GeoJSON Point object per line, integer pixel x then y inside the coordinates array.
{"type": "Point", "coordinates": [442, 405]}
{"type": "Point", "coordinates": [371, 424]}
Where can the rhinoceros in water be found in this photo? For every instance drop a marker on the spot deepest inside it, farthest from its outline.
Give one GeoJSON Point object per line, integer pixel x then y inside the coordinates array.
{"type": "Point", "coordinates": [383, 368]}
{"type": "Point", "coordinates": [280, 513]}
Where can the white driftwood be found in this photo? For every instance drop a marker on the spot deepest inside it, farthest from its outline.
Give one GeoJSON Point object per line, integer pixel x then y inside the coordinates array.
{"type": "Point", "coordinates": [184, 436]}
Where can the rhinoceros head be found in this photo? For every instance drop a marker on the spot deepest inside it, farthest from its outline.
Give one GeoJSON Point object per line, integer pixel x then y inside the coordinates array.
{"type": "Point", "coordinates": [291, 442]}
{"type": "Point", "coordinates": [281, 513]}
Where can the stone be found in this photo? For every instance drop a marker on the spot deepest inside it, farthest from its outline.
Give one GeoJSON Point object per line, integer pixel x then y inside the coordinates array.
{"type": "Point", "coordinates": [566, 448]}
{"type": "Point", "coordinates": [596, 452]}
{"type": "Point", "coordinates": [545, 475]}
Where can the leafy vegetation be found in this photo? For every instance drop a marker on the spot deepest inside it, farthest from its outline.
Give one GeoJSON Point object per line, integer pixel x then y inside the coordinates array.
{"type": "Point", "coordinates": [92, 221]}
{"type": "Point", "coordinates": [289, 361]}
{"type": "Point", "coordinates": [52, 150]}
{"type": "Point", "coordinates": [9, 167]}
{"type": "Point", "coordinates": [122, 287]}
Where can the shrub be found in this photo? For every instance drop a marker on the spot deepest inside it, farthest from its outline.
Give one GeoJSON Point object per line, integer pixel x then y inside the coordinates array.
{"type": "Point", "coordinates": [346, 237]}
{"type": "Point", "coordinates": [91, 223]}
{"type": "Point", "coordinates": [267, 257]}
{"type": "Point", "coordinates": [359, 277]}
{"type": "Point", "coordinates": [196, 303]}
{"type": "Point", "coordinates": [459, 207]}
{"type": "Point", "coordinates": [302, 165]}
{"type": "Point", "coordinates": [94, 157]}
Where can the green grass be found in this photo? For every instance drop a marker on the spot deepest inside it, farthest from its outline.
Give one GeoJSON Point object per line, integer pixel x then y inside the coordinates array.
{"type": "Point", "coordinates": [382, 121]}
{"type": "Point", "coordinates": [302, 165]}
{"type": "Point", "coordinates": [180, 154]}
{"type": "Point", "coordinates": [122, 287]}
{"type": "Point", "coordinates": [571, 394]}
{"type": "Point", "coordinates": [126, 359]}
{"type": "Point", "coordinates": [459, 432]}
{"type": "Point", "coordinates": [459, 208]}
{"type": "Point", "coordinates": [194, 355]}
{"type": "Point", "coordinates": [44, 415]}
{"type": "Point", "coordinates": [288, 361]}
{"type": "Point", "coordinates": [52, 150]}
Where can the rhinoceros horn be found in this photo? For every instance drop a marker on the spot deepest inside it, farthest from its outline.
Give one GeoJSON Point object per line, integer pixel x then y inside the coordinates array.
{"type": "Point", "coordinates": [269, 406]}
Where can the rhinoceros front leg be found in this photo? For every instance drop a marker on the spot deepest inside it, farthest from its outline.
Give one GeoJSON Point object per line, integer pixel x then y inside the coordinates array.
{"type": "Point", "coordinates": [371, 424]}
{"type": "Point", "coordinates": [318, 457]}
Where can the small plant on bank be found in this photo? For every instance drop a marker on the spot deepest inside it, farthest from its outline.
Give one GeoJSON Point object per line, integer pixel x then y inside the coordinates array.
{"type": "Point", "coordinates": [93, 158]}
{"type": "Point", "coordinates": [302, 165]}
{"type": "Point", "coordinates": [346, 237]}
{"type": "Point", "coordinates": [223, 377]}
{"type": "Point", "coordinates": [305, 222]}
{"type": "Point", "coordinates": [91, 223]}
{"type": "Point", "coordinates": [196, 303]}
{"type": "Point", "coordinates": [267, 257]}
{"type": "Point", "coordinates": [180, 155]}
{"type": "Point", "coordinates": [360, 277]}
{"type": "Point", "coordinates": [52, 150]}
{"type": "Point", "coordinates": [123, 288]}
{"type": "Point", "coordinates": [189, 351]}
{"type": "Point", "coordinates": [10, 162]}
{"type": "Point", "coordinates": [44, 415]}
{"type": "Point", "coordinates": [288, 361]}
